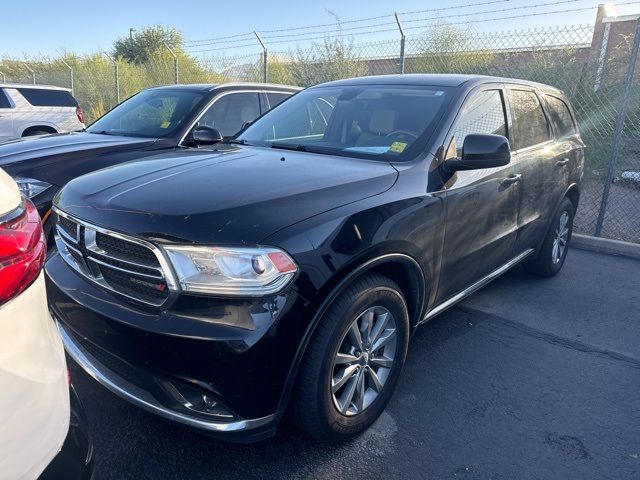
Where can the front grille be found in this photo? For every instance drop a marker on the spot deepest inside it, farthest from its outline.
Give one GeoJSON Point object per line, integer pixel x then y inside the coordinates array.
{"type": "Point", "coordinates": [125, 265]}
{"type": "Point", "coordinates": [150, 291]}
{"type": "Point", "coordinates": [69, 226]}
{"type": "Point", "coordinates": [126, 250]}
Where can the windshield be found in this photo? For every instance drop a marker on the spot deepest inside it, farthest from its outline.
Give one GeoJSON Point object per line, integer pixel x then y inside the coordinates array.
{"type": "Point", "coordinates": [154, 113]}
{"type": "Point", "coordinates": [389, 122]}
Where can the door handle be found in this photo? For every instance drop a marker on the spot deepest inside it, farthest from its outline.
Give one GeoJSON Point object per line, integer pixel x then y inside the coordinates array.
{"type": "Point", "coordinates": [564, 161]}
{"type": "Point", "coordinates": [511, 179]}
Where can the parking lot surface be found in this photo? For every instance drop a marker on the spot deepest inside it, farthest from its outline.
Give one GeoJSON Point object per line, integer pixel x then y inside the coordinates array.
{"type": "Point", "coordinates": [526, 379]}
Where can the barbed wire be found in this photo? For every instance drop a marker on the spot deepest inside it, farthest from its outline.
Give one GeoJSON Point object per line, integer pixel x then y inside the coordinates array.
{"type": "Point", "coordinates": [370, 29]}
{"type": "Point", "coordinates": [205, 41]}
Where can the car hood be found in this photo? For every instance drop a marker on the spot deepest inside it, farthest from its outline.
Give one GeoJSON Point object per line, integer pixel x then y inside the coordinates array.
{"type": "Point", "coordinates": [232, 196]}
{"type": "Point", "coordinates": [47, 149]}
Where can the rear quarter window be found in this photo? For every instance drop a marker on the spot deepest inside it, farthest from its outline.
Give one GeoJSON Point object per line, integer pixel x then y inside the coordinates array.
{"type": "Point", "coordinates": [39, 97]}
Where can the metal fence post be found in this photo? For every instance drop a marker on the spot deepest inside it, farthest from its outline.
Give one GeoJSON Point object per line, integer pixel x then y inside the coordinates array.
{"type": "Point", "coordinates": [175, 64]}
{"type": "Point", "coordinates": [617, 136]}
{"type": "Point", "coordinates": [265, 68]}
{"type": "Point", "coordinates": [33, 74]}
{"type": "Point", "coordinates": [402, 41]}
{"type": "Point", "coordinates": [117, 73]}
{"type": "Point", "coordinates": [70, 74]}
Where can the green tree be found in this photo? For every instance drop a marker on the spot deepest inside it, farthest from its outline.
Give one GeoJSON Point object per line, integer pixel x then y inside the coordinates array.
{"type": "Point", "coordinates": [141, 46]}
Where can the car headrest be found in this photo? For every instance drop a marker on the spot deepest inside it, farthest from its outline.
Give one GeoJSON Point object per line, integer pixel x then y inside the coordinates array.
{"type": "Point", "coordinates": [382, 121]}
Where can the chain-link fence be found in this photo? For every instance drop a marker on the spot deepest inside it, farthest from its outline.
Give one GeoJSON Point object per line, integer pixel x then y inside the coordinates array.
{"type": "Point", "coordinates": [590, 64]}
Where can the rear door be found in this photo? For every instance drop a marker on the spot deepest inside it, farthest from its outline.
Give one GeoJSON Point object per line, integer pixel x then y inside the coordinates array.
{"type": "Point", "coordinates": [566, 151]}
{"type": "Point", "coordinates": [482, 205]}
{"type": "Point", "coordinates": [533, 145]}
{"type": "Point", "coordinates": [6, 117]}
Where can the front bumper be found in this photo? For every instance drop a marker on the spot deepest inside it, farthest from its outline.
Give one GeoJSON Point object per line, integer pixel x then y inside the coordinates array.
{"type": "Point", "coordinates": [238, 352]}
{"type": "Point", "coordinates": [142, 398]}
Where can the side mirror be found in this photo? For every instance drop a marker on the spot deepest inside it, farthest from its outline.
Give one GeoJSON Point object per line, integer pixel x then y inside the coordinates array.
{"type": "Point", "coordinates": [204, 135]}
{"type": "Point", "coordinates": [481, 151]}
{"type": "Point", "coordinates": [245, 125]}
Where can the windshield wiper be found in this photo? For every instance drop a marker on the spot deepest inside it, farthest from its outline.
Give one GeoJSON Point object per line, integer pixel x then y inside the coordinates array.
{"type": "Point", "coordinates": [308, 148]}
{"type": "Point", "coordinates": [101, 132]}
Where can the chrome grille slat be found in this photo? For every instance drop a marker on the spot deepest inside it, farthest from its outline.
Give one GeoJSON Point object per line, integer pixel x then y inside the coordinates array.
{"type": "Point", "coordinates": [143, 279]}
{"type": "Point", "coordinates": [123, 270]}
{"type": "Point", "coordinates": [62, 232]}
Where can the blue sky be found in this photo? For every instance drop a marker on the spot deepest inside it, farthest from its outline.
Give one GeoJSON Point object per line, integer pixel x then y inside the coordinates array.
{"type": "Point", "coordinates": [82, 26]}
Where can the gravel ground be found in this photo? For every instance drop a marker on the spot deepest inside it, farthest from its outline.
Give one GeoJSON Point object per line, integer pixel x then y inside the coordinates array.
{"type": "Point", "coordinates": [526, 379]}
{"type": "Point", "coordinates": [622, 217]}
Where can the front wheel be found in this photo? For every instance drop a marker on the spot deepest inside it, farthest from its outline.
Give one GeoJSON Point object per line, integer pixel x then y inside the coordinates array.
{"type": "Point", "coordinates": [554, 248]}
{"type": "Point", "coordinates": [353, 361]}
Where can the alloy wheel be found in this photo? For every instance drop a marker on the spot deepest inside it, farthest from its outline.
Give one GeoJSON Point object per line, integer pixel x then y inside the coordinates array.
{"type": "Point", "coordinates": [561, 238]}
{"type": "Point", "coordinates": [364, 361]}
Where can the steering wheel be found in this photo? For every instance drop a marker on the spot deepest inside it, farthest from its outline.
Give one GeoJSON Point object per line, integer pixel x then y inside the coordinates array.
{"type": "Point", "coordinates": [401, 132]}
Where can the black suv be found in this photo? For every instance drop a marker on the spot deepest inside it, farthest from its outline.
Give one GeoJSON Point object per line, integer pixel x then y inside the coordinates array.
{"type": "Point", "coordinates": [285, 271]}
{"type": "Point", "coordinates": [158, 119]}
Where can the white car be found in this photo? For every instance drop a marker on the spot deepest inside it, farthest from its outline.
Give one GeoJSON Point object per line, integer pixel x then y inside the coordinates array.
{"type": "Point", "coordinates": [27, 110]}
{"type": "Point", "coordinates": [35, 404]}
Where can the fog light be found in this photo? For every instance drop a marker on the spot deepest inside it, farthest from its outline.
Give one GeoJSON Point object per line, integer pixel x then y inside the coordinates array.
{"type": "Point", "coordinates": [194, 400]}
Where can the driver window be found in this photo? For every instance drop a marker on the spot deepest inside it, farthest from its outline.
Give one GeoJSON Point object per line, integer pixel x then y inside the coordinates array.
{"type": "Point", "coordinates": [484, 114]}
{"type": "Point", "coordinates": [230, 112]}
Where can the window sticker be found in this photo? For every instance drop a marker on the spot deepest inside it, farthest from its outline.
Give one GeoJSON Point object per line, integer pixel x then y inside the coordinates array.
{"type": "Point", "coordinates": [397, 147]}
{"type": "Point", "coordinates": [165, 124]}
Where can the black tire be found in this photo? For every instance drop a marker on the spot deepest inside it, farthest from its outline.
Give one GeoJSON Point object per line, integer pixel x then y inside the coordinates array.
{"type": "Point", "coordinates": [547, 263]}
{"type": "Point", "coordinates": [313, 406]}
{"type": "Point", "coordinates": [33, 133]}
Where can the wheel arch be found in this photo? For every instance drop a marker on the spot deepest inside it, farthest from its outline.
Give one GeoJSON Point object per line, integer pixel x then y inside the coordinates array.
{"type": "Point", "coordinates": [403, 269]}
{"type": "Point", "coordinates": [573, 194]}
{"type": "Point", "coordinates": [35, 128]}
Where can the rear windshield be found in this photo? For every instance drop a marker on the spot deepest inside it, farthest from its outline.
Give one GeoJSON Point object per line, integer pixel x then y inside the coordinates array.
{"type": "Point", "coordinates": [154, 113]}
{"type": "Point", "coordinates": [39, 97]}
{"type": "Point", "coordinates": [386, 122]}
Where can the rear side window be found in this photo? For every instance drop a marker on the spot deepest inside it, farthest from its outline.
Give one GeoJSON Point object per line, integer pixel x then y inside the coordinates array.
{"type": "Point", "coordinates": [529, 123]}
{"type": "Point", "coordinates": [4, 101]}
{"type": "Point", "coordinates": [484, 114]}
{"type": "Point", "coordinates": [39, 97]}
{"type": "Point", "coordinates": [560, 117]}
{"type": "Point", "coordinates": [276, 97]}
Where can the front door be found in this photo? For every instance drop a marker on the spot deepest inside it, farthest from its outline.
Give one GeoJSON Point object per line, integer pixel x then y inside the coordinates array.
{"type": "Point", "coordinates": [482, 205]}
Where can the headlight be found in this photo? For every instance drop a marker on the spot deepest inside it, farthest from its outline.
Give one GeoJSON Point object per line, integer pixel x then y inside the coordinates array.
{"type": "Point", "coordinates": [231, 271]}
{"type": "Point", "coordinates": [30, 187]}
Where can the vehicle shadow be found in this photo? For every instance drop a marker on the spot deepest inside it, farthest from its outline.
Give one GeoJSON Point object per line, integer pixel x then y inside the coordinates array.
{"type": "Point", "coordinates": [131, 443]}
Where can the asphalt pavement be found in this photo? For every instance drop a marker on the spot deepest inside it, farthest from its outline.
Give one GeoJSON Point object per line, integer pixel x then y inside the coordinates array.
{"type": "Point", "coordinates": [526, 379]}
